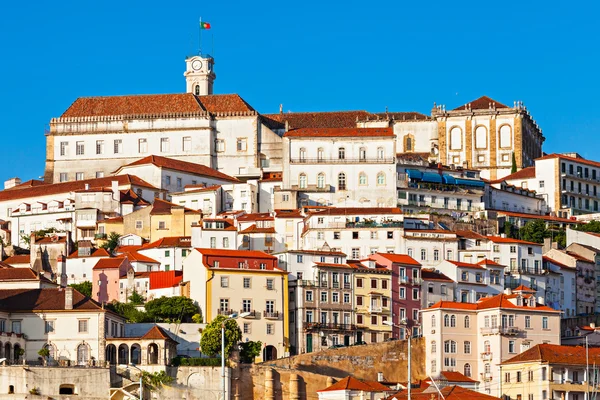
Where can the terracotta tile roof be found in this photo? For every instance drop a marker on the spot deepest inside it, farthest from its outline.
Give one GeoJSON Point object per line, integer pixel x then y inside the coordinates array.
{"type": "Point", "coordinates": [163, 207]}
{"type": "Point", "coordinates": [579, 257]}
{"type": "Point", "coordinates": [573, 159]}
{"type": "Point", "coordinates": [482, 103]}
{"type": "Point", "coordinates": [254, 229]}
{"type": "Point", "coordinates": [453, 376]}
{"type": "Point", "coordinates": [124, 249]}
{"type": "Point", "coordinates": [43, 300]}
{"type": "Point", "coordinates": [556, 354]}
{"type": "Point", "coordinates": [465, 265]}
{"type": "Point", "coordinates": [155, 104]}
{"type": "Point", "coordinates": [18, 259]}
{"type": "Point", "coordinates": [134, 256]}
{"type": "Point", "coordinates": [523, 288]}
{"type": "Point", "coordinates": [109, 263]}
{"type": "Point", "coordinates": [537, 216]}
{"type": "Point", "coordinates": [130, 197]}
{"type": "Point", "coordinates": [558, 264]}
{"type": "Point", "coordinates": [340, 132]}
{"type": "Point", "coordinates": [28, 184]}
{"type": "Point", "coordinates": [412, 157]}
{"type": "Point", "coordinates": [332, 265]}
{"type": "Point", "coordinates": [165, 279]}
{"type": "Point", "coordinates": [358, 211]}
{"type": "Point", "coordinates": [499, 239]}
{"type": "Point", "coordinates": [71, 186]}
{"type": "Point", "coordinates": [590, 248]}
{"type": "Point", "coordinates": [169, 241]}
{"type": "Point", "coordinates": [114, 220]}
{"type": "Point", "coordinates": [334, 119]}
{"type": "Point", "coordinates": [288, 214]}
{"type": "Point", "coordinates": [454, 392]}
{"type": "Point", "coordinates": [199, 188]}
{"type": "Point", "coordinates": [431, 231]}
{"type": "Point", "coordinates": [19, 274]}
{"type": "Point", "coordinates": [470, 235]}
{"type": "Point", "coordinates": [525, 173]}
{"type": "Point", "coordinates": [51, 240]}
{"type": "Point", "coordinates": [96, 253]}
{"type": "Point", "coordinates": [318, 252]}
{"type": "Point", "coordinates": [404, 116]}
{"type": "Point", "coordinates": [499, 301]}
{"type": "Point", "coordinates": [256, 217]}
{"type": "Point", "coordinates": [157, 333]}
{"type": "Point", "coordinates": [487, 261]}
{"type": "Point", "coordinates": [235, 253]}
{"type": "Point", "coordinates": [429, 274]}
{"type": "Point", "coordinates": [399, 258]}
{"type": "Point", "coordinates": [179, 165]}
{"type": "Point", "coordinates": [351, 383]}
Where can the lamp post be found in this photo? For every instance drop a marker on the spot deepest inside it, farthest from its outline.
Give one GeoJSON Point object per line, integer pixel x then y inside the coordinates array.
{"type": "Point", "coordinates": [390, 323]}
{"type": "Point", "coordinates": [232, 316]}
{"type": "Point", "coordinates": [126, 366]}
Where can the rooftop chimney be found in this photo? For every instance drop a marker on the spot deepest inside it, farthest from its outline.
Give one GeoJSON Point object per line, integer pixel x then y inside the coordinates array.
{"type": "Point", "coordinates": [68, 298]}
{"type": "Point", "coordinates": [12, 182]}
{"type": "Point", "coordinates": [87, 186]}
{"type": "Point", "coordinates": [508, 291]}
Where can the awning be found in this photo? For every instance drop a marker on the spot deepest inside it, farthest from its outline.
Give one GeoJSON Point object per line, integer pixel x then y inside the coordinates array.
{"type": "Point", "coordinates": [470, 182]}
{"type": "Point", "coordinates": [432, 177]}
{"type": "Point", "coordinates": [449, 179]}
{"type": "Point", "coordinates": [414, 174]}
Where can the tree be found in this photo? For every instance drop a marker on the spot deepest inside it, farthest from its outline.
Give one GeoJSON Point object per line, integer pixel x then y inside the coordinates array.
{"type": "Point", "coordinates": [129, 312]}
{"type": "Point", "coordinates": [513, 168]}
{"type": "Point", "coordinates": [592, 226]}
{"type": "Point", "coordinates": [249, 351]}
{"type": "Point", "coordinates": [534, 231]}
{"type": "Point", "coordinates": [112, 242]}
{"type": "Point", "coordinates": [171, 309]}
{"type": "Point", "coordinates": [155, 380]}
{"type": "Point", "coordinates": [85, 288]}
{"type": "Point", "coordinates": [210, 342]}
{"type": "Point", "coordinates": [508, 229]}
{"type": "Point", "coordinates": [136, 299]}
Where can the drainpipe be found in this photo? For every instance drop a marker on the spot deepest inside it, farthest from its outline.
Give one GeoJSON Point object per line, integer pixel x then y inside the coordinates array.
{"type": "Point", "coordinates": [212, 275]}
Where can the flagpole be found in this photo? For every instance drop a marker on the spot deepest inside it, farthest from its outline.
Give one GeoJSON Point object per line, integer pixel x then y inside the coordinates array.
{"type": "Point", "coordinates": [200, 37]}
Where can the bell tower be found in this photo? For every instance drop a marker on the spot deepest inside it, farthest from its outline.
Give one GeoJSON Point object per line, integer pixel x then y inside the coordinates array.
{"type": "Point", "coordinates": [199, 75]}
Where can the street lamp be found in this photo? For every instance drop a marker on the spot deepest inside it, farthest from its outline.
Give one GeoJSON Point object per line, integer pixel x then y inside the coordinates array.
{"type": "Point", "coordinates": [141, 376]}
{"type": "Point", "coordinates": [390, 323]}
{"type": "Point", "coordinates": [232, 316]}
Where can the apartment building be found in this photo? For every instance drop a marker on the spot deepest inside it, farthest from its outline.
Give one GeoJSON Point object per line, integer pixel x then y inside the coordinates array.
{"type": "Point", "coordinates": [373, 301]}
{"type": "Point", "coordinates": [474, 281]}
{"type": "Point", "coordinates": [430, 246]}
{"type": "Point", "coordinates": [169, 252]}
{"type": "Point", "coordinates": [562, 291]}
{"type": "Point", "coordinates": [435, 287]}
{"type": "Point", "coordinates": [475, 338]}
{"type": "Point", "coordinates": [224, 282]}
{"type": "Point", "coordinates": [551, 371]}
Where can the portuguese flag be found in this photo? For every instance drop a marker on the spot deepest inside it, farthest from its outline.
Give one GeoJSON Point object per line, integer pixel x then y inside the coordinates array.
{"type": "Point", "coordinates": [204, 25]}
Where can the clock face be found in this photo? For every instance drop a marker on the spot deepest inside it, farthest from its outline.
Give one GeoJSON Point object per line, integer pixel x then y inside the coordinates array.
{"type": "Point", "coordinates": [196, 64]}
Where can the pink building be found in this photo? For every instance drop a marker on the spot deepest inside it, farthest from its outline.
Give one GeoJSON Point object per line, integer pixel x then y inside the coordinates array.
{"type": "Point", "coordinates": [106, 275]}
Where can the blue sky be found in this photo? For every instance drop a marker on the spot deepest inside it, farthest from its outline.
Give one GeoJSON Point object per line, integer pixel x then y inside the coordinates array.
{"type": "Point", "coordinates": [309, 56]}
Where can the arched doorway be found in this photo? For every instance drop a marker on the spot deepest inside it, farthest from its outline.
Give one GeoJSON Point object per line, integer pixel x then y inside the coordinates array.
{"type": "Point", "coordinates": [136, 354]}
{"type": "Point", "coordinates": [123, 354]}
{"type": "Point", "coordinates": [16, 351]}
{"type": "Point", "coordinates": [50, 349]}
{"type": "Point", "coordinates": [82, 354]}
{"type": "Point", "coordinates": [269, 353]}
{"type": "Point", "coordinates": [153, 354]}
{"type": "Point", "coordinates": [111, 354]}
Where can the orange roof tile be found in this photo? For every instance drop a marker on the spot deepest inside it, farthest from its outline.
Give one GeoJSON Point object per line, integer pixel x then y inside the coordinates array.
{"type": "Point", "coordinates": [399, 258]}
{"type": "Point", "coordinates": [43, 300]}
{"type": "Point", "coordinates": [97, 253]}
{"type": "Point", "coordinates": [19, 274]}
{"type": "Point", "coordinates": [499, 239]}
{"type": "Point", "coordinates": [165, 279]}
{"type": "Point", "coordinates": [157, 333]}
{"type": "Point", "coordinates": [557, 354]}
{"type": "Point", "coordinates": [453, 376]}
{"type": "Point", "coordinates": [351, 383]}
{"type": "Point", "coordinates": [163, 207]}
{"type": "Point", "coordinates": [487, 261]}
{"type": "Point", "coordinates": [254, 229]}
{"type": "Point", "coordinates": [558, 264]}
{"type": "Point", "coordinates": [109, 263]}
{"type": "Point", "coordinates": [340, 132]}
{"type": "Point", "coordinates": [358, 211]}
{"type": "Point", "coordinates": [525, 173]}
{"type": "Point", "coordinates": [453, 392]}
{"type": "Point", "coordinates": [573, 159]}
{"type": "Point", "coordinates": [429, 274]}
{"type": "Point", "coordinates": [169, 241]}
{"type": "Point", "coordinates": [482, 103]}
{"type": "Point", "coordinates": [179, 165]}
{"type": "Point", "coordinates": [465, 265]}
{"type": "Point", "coordinates": [332, 265]}
{"type": "Point", "coordinates": [18, 259]}
{"type": "Point", "coordinates": [134, 256]}
{"type": "Point", "coordinates": [235, 253]}
{"type": "Point", "coordinates": [499, 301]}
{"type": "Point", "coordinates": [331, 119]}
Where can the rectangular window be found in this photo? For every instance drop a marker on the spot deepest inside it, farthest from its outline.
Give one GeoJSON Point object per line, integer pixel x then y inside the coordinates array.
{"type": "Point", "coordinates": [187, 143]}
{"type": "Point", "coordinates": [359, 300]}
{"type": "Point", "coordinates": [83, 326]}
{"type": "Point", "coordinates": [247, 329]}
{"type": "Point", "coordinates": [79, 176]}
{"type": "Point", "coordinates": [270, 329]}
{"type": "Point", "coordinates": [80, 148]}
{"type": "Point", "coordinates": [64, 177]}
{"type": "Point", "coordinates": [309, 295]}
{"type": "Point", "coordinates": [16, 326]}
{"type": "Point", "coordinates": [142, 146]}
{"type": "Point", "coordinates": [544, 322]}
{"type": "Point", "coordinates": [242, 144]}
{"type": "Point", "coordinates": [224, 305]}
{"type": "Point", "coordinates": [139, 224]}
{"type": "Point", "coordinates": [179, 183]}
{"type": "Point", "coordinates": [49, 326]}
{"type": "Point", "coordinates": [99, 174]}
{"type": "Point", "coordinates": [246, 305]}
{"type": "Point", "coordinates": [359, 282]}
{"type": "Point", "coordinates": [270, 284]}
{"type": "Point", "coordinates": [162, 225]}
{"type": "Point", "coordinates": [247, 283]}
{"type": "Point", "coordinates": [224, 281]}
{"type": "Point", "coordinates": [118, 146]}
{"type": "Point", "coordinates": [99, 146]}
{"type": "Point", "coordinates": [219, 145]}
{"type": "Point", "coordinates": [355, 253]}
{"type": "Point", "coordinates": [164, 145]}
{"type": "Point", "coordinates": [64, 148]}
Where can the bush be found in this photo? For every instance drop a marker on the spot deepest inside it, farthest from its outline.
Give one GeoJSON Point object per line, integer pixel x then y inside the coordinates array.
{"type": "Point", "coordinates": [195, 362]}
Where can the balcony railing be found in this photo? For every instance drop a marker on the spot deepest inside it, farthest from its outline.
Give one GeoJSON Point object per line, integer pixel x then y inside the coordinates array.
{"type": "Point", "coordinates": [303, 282]}
{"type": "Point", "coordinates": [506, 330]}
{"type": "Point", "coordinates": [375, 309]}
{"type": "Point", "coordinates": [225, 311]}
{"type": "Point", "coordinates": [454, 207]}
{"type": "Point", "coordinates": [486, 356]}
{"type": "Point", "coordinates": [388, 224]}
{"type": "Point", "coordinates": [328, 160]}
{"type": "Point", "coordinates": [253, 313]}
{"type": "Point", "coordinates": [527, 271]}
{"type": "Point", "coordinates": [100, 236]}
{"type": "Point", "coordinates": [313, 326]}
{"type": "Point", "coordinates": [271, 314]}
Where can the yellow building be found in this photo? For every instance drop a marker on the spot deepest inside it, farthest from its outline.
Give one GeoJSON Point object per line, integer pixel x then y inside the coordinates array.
{"type": "Point", "coordinates": [373, 301]}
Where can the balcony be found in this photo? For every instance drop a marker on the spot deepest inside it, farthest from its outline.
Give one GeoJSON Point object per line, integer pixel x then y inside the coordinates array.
{"type": "Point", "coordinates": [335, 285]}
{"type": "Point", "coordinates": [363, 224]}
{"type": "Point", "coordinates": [316, 326]}
{"type": "Point", "coordinates": [507, 330]}
{"type": "Point", "coordinates": [312, 188]}
{"type": "Point", "coordinates": [271, 314]}
{"type": "Point", "coordinates": [453, 207]}
{"type": "Point", "coordinates": [347, 285]}
{"type": "Point", "coordinates": [486, 356]}
{"type": "Point", "coordinates": [100, 236]}
{"type": "Point", "coordinates": [225, 311]}
{"type": "Point", "coordinates": [527, 271]}
{"type": "Point", "coordinates": [307, 283]}
{"type": "Point", "coordinates": [328, 160]}
{"type": "Point", "coordinates": [253, 313]}
{"type": "Point", "coordinates": [375, 309]}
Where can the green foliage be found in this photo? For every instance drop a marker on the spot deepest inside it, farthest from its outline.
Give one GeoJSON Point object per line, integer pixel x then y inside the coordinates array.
{"type": "Point", "coordinates": [112, 242]}
{"type": "Point", "coordinates": [35, 391]}
{"type": "Point", "coordinates": [129, 312]}
{"type": "Point", "coordinates": [513, 168]}
{"type": "Point", "coordinates": [171, 309]}
{"type": "Point", "coordinates": [44, 352]}
{"type": "Point", "coordinates": [196, 362]}
{"type": "Point", "coordinates": [210, 342]}
{"type": "Point", "coordinates": [592, 226]}
{"type": "Point", "coordinates": [197, 318]}
{"type": "Point", "coordinates": [534, 231]}
{"type": "Point", "coordinates": [155, 380]}
{"type": "Point", "coordinates": [509, 229]}
{"type": "Point", "coordinates": [249, 351]}
{"type": "Point", "coordinates": [85, 288]}
{"type": "Point", "coordinates": [136, 299]}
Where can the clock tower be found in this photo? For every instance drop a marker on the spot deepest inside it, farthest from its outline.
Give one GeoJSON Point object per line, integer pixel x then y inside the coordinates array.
{"type": "Point", "coordinates": [199, 75]}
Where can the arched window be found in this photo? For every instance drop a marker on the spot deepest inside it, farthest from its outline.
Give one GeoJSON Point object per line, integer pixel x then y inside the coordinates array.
{"type": "Point", "coordinates": [446, 320]}
{"type": "Point", "coordinates": [467, 322]}
{"type": "Point", "coordinates": [436, 255]}
{"type": "Point", "coordinates": [380, 153]}
{"type": "Point", "coordinates": [480, 137]}
{"type": "Point", "coordinates": [381, 178]}
{"type": "Point", "coordinates": [302, 181]}
{"type": "Point", "coordinates": [433, 321]}
{"type": "Point", "coordinates": [320, 153]}
{"type": "Point", "coordinates": [197, 90]}
{"type": "Point", "coordinates": [302, 153]}
{"type": "Point", "coordinates": [453, 321]}
{"type": "Point", "coordinates": [449, 255]}
{"type": "Point", "coordinates": [362, 153]}
{"type": "Point", "coordinates": [362, 178]}
{"type": "Point", "coordinates": [487, 347]}
{"type": "Point", "coordinates": [82, 354]}
{"type": "Point", "coordinates": [342, 181]}
{"type": "Point", "coordinates": [321, 180]}
{"type": "Point", "coordinates": [467, 370]}
{"type": "Point", "coordinates": [433, 347]}
{"type": "Point", "coordinates": [467, 347]}
{"type": "Point", "coordinates": [341, 153]}
{"type": "Point", "coordinates": [455, 138]}
{"type": "Point", "coordinates": [505, 137]}
{"type": "Point", "coordinates": [409, 143]}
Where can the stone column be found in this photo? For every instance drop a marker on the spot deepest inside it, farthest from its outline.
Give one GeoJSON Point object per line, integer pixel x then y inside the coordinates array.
{"type": "Point", "coordinates": [269, 391]}
{"type": "Point", "coordinates": [294, 387]}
